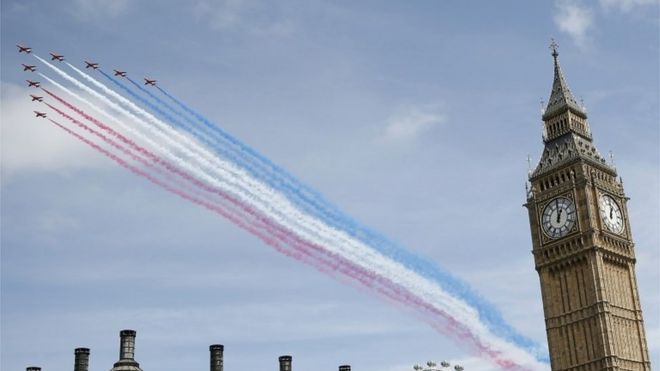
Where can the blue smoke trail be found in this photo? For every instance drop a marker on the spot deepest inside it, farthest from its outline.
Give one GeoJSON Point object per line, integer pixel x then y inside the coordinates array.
{"type": "Point", "coordinates": [194, 126]}
{"type": "Point", "coordinates": [314, 204]}
{"type": "Point", "coordinates": [253, 159]}
{"type": "Point", "coordinates": [236, 157]}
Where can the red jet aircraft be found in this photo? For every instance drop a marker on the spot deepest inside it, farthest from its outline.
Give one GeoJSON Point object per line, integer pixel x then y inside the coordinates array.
{"type": "Point", "coordinates": [120, 73]}
{"type": "Point", "coordinates": [33, 83]}
{"type": "Point", "coordinates": [29, 67]}
{"type": "Point", "coordinates": [58, 57]}
{"type": "Point", "coordinates": [24, 49]}
{"type": "Point", "coordinates": [38, 99]}
{"type": "Point", "coordinates": [149, 82]}
{"type": "Point", "coordinates": [91, 65]}
{"type": "Point", "coordinates": [40, 114]}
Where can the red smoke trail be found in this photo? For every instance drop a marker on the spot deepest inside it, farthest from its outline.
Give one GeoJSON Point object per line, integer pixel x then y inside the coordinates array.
{"type": "Point", "coordinates": [332, 265]}
{"type": "Point", "coordinates": [156, 159]}
{"type": "Point", "coordinates": [223, 211]}
{"type": "Point", "coordinates": [277, 230]}
{"type": "Point", "coordinates": [273, 228]}
{"type": "Point", "coordinates": [100, 124]}
{"type": "Point", "coordinates": [275, 235]}
{"type": "Point", "coordinates": [150, 155]}
{"type": "Point", "coordinates": [338, 264]}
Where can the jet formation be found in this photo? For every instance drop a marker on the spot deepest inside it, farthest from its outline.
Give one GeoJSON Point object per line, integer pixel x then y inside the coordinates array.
{"type": "Point", "coordinates": [60, 58]}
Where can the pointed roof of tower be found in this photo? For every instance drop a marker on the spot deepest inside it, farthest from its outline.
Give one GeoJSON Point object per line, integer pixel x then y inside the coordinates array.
{"type": "Point", "coordinates": [561, 98]}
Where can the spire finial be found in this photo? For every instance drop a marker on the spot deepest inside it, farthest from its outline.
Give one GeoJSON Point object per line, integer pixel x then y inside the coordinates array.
{"type": "Point", "coordinates": [561, 97]}
{"type": "Point", "coordinates": [554, 46]}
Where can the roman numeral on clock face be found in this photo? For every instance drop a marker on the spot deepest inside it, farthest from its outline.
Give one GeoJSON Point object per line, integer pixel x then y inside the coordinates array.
{"type": "Point", "coordinates": [558, 217]}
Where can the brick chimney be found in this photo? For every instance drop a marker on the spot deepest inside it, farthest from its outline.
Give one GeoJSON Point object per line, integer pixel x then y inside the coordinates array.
{"type": "Point", "coordinates": [217, 363]}
{"type": "Point", "coordinates": [126, 352]}
{"type": "Point", "coordinates": [285, 363]}
{"type": "Point", "coordinates": [81, 362]}
{"type": "Point", "coordinates": [345, 368]}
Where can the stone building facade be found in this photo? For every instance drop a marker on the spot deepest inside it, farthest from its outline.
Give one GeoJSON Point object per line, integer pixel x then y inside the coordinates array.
{"type": "Point", "coordinates": [582, 245]}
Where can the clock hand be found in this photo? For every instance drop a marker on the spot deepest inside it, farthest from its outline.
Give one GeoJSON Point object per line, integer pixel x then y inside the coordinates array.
{"type": "Point", "coordinates": [611, 211]}
{"type": "Point", "coordinates": [559, 215]}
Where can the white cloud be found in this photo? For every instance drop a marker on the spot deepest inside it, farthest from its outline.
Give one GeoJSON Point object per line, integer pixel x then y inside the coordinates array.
{"type": "Point", "coordinates": [98, 8]}
{"type": "Point", "coordinates": [248, 15]}
{"type": "Point", "coordinates": [625, 5]}
{"type": "Point", "coordinates": [574, 19]}
{"type": "Point", "coordinates": [31, 144]}
{"type": "Point", "coordinates": [409, 124]}
{"type": "Point", "coordinates": [222, 14]}
{"type": "Point", "coordinates": [51, 221]}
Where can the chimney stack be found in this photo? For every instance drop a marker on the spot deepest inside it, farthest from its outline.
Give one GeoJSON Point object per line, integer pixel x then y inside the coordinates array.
{"type": "Point", "coordinates": [81, 362]}
{"type": "Point", "coordinates": [127, 344]}
{"type": "Point", "coordinates": [32, 368]}
{"type": "Point", "coordinates": [345, 368]}
{"type": "Point", "coordinates": [285, 363]}
{"type": "Point", "coordinates": [126, 352]}
{"type": "Point", "coordinates": [216, 357]}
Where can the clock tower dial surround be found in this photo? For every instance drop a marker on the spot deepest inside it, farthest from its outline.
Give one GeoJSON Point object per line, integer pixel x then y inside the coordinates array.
{"type": "Point", "coordinates": [558, 217]}
{"type": "Point", "coordinates": [582, 246]}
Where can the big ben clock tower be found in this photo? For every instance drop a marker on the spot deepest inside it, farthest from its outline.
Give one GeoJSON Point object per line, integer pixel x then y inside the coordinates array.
{"type": "Point", "coordinates": [582, 246]}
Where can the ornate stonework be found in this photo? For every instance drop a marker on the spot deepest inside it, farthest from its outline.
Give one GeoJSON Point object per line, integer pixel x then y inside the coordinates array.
{"type": "Point", "coordinates": [582, 246]}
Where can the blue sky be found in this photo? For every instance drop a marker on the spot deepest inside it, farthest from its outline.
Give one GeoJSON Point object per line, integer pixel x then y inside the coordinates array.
{"type": "Point", "coordinates": [415, 118]}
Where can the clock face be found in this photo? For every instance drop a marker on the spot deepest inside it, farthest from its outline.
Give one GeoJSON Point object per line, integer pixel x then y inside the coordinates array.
{"type": "Point", "coordinates": [611, 214]}
{"type": "Point", "coordinates": [558, 217]}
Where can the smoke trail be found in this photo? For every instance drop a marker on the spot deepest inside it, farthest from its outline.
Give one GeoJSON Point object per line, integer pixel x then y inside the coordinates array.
{"type": "Point", "coordinates": [403, 277]}
{"type": "Point", "coordinates": [271, 210]}
{"type": "Point", "coordinates": [265, 205]}
{"type": "Point", "coordinates": [243, 156]}
{"type": "Point", "coordinates": [335, 267]}
{"type": "Point", "coordinates": [161, 135]}
{"type": "Point", "coordinates": [302, 248]}
{"type": "Point", "coordinates": [306, 192]}
{"type": "Point", "coordinates": [319, 207]}
{"type": "Point", "coordinates": [224, 174]}
{"type": "Point", "coordinates": [304, 251]}
{"type": "Point", "coordinates": [192, 124]}
{"type": "Point", "coordinates": [141, 150]}
{"type": "Point", "coordinates": [225, 213]}
{"type": "Point", "coordinates": [323, 209]}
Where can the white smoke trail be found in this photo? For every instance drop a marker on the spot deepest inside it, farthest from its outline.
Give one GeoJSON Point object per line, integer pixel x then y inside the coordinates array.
{"type": "Point", "coordinates": [267, 195]}
{"type": "Point", "coordinates": [104, 113]}
{"type": "Point", "coordinates": [272, 204]}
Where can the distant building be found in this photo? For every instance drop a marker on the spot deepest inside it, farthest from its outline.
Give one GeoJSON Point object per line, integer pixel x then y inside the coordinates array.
{"type": "Point", "coordinates": [127, 360]}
